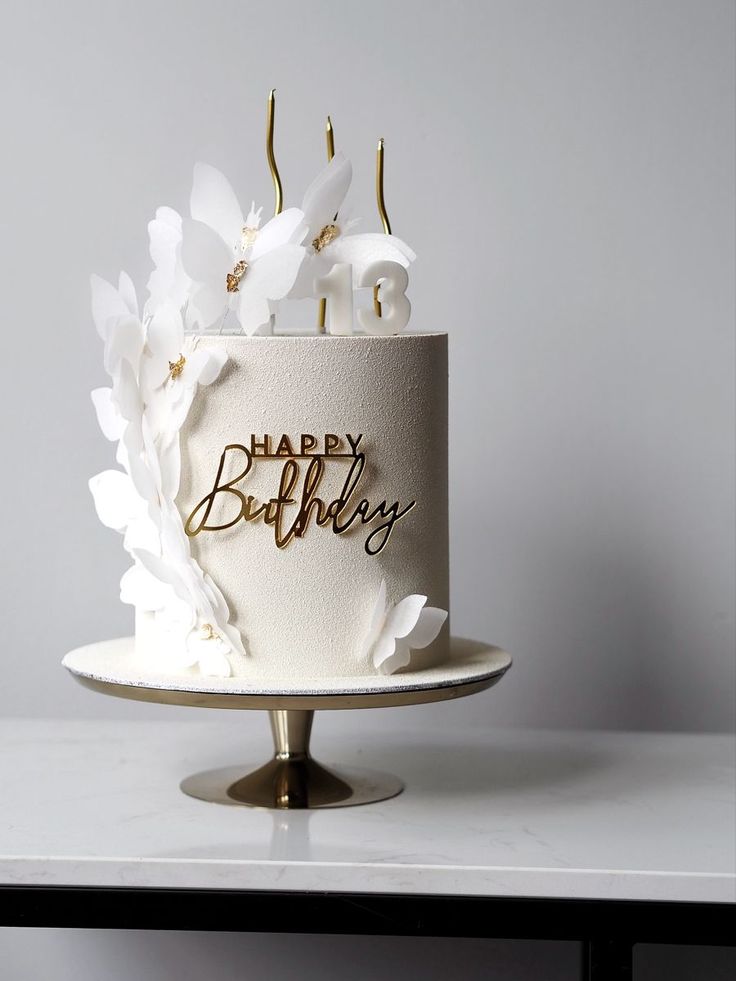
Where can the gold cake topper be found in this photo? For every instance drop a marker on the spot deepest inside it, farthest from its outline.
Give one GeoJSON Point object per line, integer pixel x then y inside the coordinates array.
{"type": "Point", "coordinates": [296, 504]}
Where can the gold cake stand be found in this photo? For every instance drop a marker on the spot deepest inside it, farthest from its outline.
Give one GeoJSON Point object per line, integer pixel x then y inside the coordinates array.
{"type": "Point", "coordinates": [292, 779]}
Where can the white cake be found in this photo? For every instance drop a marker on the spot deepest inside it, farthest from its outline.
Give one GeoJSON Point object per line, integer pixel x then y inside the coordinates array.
{"type": "Point", "coordinates": [304, 609]}
{"type": "Point", "coordinates": [282, 495]}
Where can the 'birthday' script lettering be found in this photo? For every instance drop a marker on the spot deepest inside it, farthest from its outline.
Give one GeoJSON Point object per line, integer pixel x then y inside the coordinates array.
{"type": "Point", "coordinates": [296, 502]}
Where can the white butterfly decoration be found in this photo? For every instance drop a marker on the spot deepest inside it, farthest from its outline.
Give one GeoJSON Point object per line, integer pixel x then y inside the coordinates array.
{"type": "Point", "coordinates": [330, 239]}
{"type": "Point", "coordinates": [143, 411]}
{"type": "Point", "coordinates": [174, 365]}
{"type": "Point", "coordinates": [168, 283]}
{"type": "Point", "coordinates": [395, 631]}
{"type": "Point", "coordinates": [233, 263]}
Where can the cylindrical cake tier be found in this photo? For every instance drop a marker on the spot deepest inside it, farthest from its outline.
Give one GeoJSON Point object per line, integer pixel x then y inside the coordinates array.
{"type": "Point", "coordinates": [312, 469]}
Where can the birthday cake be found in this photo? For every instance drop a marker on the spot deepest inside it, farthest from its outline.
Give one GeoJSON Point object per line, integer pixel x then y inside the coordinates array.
{"type": "Point", "coordinates": [281, 492]}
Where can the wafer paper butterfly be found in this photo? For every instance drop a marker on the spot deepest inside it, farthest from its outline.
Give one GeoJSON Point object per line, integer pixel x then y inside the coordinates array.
{"type": "Point", "coordinates": [397, 630]}
{"type": "Point", "coordinates": [233, 263]}
{"type": "Point", "coordinates": [331, 239]}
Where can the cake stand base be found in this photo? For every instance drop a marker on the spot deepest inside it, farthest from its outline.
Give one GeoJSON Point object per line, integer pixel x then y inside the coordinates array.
{"type": "Point", "coordinates": [292, 779]}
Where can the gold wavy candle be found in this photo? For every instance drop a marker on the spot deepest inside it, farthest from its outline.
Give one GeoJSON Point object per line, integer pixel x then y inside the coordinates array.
{"type": "Point", "coordinates": [277, 188]}
{"type": "Point", "coordinates": [330, 138]}
{"type": "Point", "coordinates": [381, 202]}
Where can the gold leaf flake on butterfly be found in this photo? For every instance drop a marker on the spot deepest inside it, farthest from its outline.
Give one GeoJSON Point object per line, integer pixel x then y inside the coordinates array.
{"type": "Point", "coordinates": [176, 367]}
{"type": "Point", "coordinates": [232, 280]}
{"type": "Point", "coordinates": [328, 234]}
{"type": "Point", "coordinates": [248, 235]}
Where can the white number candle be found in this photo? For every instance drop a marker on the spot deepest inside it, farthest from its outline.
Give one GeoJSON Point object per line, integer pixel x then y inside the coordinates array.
{"type": "Point", "coordinates": [337, 287]}
{"type": "Point", "coordinates": [395, 307]}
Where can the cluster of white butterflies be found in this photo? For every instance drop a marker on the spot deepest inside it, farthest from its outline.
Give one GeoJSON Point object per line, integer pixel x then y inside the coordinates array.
{"type": "Point", "coordinates": [142, 411]}
{"type": "Point", "coordinates": [219, 264]}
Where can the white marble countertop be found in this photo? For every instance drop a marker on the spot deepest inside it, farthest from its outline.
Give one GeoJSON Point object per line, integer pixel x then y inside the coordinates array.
{"type": "Point", "coordinates": [493, 813]}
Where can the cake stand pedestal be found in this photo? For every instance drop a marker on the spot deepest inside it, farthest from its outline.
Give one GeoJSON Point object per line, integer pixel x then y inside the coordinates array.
{"type": "Point", "coordinates": [292, 779]}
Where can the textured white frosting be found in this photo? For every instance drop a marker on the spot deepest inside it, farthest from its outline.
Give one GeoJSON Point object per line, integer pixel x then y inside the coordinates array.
{"type": "Point", "coordinates": [304, 610]}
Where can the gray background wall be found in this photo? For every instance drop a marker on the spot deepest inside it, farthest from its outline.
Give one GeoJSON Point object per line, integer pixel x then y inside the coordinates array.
{"type": "Point", "coordinates": [565, 172]}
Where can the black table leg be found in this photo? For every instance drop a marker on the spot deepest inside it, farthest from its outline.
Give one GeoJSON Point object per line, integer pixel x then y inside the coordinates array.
{"type": "Point", "coordinates": [607, 960]}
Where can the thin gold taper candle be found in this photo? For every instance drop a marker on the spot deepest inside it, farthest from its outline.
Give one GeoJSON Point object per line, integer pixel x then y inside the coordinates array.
{"type": "Point", "coordinates": [379, 189]}
{"type": "Point", "coordinates": [330, 138]}
{"type": "Point", "coordinates": [277, 189]}
{"type": "Point", "coordinates": [380, 201]}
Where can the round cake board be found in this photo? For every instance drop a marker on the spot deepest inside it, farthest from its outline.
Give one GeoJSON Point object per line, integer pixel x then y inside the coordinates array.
{"type": "Point", "coordinates": [292, 779]}
{"type": "Point", "coordinates": [110, 666]}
